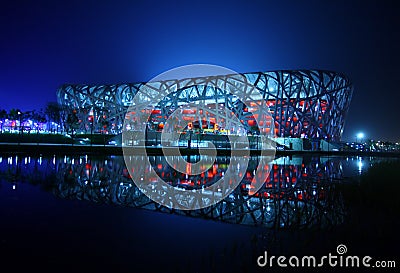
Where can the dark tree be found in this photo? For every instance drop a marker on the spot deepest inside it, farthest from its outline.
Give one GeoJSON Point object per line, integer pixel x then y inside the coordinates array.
{"type": "Point", "coordinates": [15, 114]}
{"type": "Point", "coordinates": [53, 112]}
{"type": "Point", "coordinates": [3, 116]}
{"type": "Point", "coordinates": [38, 117]}
{"type": "Point", "coordinates": [72, 122]}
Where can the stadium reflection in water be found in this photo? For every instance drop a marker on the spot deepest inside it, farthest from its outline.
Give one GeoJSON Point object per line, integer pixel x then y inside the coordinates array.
{"type": "Point", "coordinates": [300, 192]}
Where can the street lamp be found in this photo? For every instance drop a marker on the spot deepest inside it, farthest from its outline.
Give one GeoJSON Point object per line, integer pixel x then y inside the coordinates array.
{"type": "Point", "coordinates": [359, 136]}
{"type": "Point", "coordinates": [91, 120]}
{"type": "Point", "coordinates": [19, 118]}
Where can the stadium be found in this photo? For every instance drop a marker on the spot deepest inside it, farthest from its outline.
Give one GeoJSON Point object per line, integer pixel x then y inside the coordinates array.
{"type": "Point", "coordinates": [303, 104]}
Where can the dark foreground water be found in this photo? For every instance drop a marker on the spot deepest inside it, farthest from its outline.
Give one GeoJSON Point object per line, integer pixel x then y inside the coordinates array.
{"type": "Point", "coordinates": [84, 214]}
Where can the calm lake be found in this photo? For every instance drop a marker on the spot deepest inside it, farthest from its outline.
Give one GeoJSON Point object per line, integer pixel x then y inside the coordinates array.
{"type": "Point", "coordinates": [84, 213]}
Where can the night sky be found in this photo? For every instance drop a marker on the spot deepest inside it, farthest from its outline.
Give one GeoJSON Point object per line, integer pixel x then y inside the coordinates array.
{"type": "Point", "coordinates": [44, 44]}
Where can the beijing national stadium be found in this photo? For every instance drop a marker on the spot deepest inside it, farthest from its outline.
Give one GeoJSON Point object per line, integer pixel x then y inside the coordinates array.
{"type": "Point", "coordinates": [305, 106]}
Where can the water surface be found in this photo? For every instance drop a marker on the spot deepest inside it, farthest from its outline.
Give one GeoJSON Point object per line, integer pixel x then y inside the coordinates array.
{"type": "Point", "coordinates": [84, 213]}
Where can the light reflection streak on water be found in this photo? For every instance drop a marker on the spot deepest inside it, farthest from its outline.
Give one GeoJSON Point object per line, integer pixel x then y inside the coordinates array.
{"type": "Point", "coordinates": [360, 165]}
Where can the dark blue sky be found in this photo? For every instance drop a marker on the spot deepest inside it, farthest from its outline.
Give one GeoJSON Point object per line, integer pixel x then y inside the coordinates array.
{"type": "Point", "coordinates": [44, 44]}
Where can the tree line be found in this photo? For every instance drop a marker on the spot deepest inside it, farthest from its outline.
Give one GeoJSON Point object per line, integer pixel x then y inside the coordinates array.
{"type": "Point", "coordinates": [52, 112]}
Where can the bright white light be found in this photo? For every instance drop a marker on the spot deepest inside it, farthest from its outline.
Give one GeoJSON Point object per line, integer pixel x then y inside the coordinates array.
{"type": "Point", "coordinates": [360, 135]}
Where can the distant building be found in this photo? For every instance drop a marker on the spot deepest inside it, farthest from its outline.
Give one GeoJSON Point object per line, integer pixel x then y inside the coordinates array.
{"type": "Point", "coordinates": [303, 103]}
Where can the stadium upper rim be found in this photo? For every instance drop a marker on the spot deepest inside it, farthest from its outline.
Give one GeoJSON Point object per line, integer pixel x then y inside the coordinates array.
{"type": "Point", "coordinates": [291, 71]}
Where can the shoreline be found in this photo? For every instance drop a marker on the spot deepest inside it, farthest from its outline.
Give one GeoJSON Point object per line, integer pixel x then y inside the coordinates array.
{"type": "Point", "coordinates": [44, 148]}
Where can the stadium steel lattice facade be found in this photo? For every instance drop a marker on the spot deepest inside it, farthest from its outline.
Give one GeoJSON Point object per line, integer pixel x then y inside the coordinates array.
{"type": "Point", "coordinates": [303, 103]}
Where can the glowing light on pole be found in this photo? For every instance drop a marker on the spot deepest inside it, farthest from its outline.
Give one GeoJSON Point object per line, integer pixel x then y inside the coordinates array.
{"type": "Point", "coordinates": [360, 136]}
